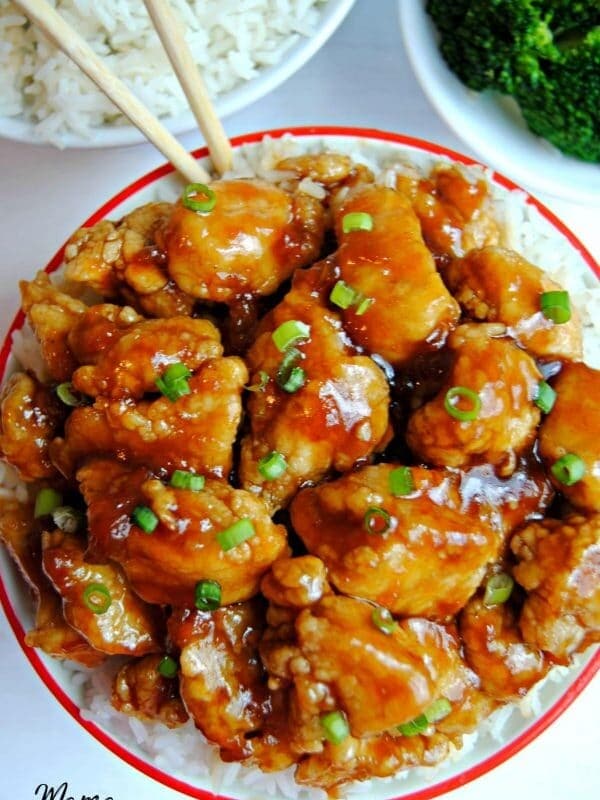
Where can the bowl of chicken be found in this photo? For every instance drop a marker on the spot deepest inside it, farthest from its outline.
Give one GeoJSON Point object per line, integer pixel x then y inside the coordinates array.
{"type": "Point", "coordinates": [300, 470]}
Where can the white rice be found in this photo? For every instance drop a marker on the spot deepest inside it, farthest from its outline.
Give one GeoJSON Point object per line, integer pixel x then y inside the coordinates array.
{"type": "Point", "coordinates": [185, 753]}
{"type": "Point", "coordinates": [231, 41]}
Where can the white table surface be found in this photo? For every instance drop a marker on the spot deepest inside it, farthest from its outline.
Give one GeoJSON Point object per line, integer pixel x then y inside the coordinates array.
{"type": "Point", "coordinates": [361, 77]}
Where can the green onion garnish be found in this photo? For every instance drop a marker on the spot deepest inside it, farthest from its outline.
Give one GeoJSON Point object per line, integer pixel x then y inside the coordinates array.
{"type": "Point", "coordinates": [207, 595]}
{"type": "Point", "coordinates": [67, 518]}
{"type": "Point", "coordinates": [190, 199]}
{"type": "Point", "coordinates": [363, 305]}
{"type": "Point", "coordinates": [236, 534]}
{"type": "Point", "coordinates": [498, 589]}
{"type": "Point", "coordinates": [415, 726]}
{"type": "Point", "coordinates": [97, 598]}
{"type": "Point", "coordinates": [343, 295]}
{"type": "Point", "coordinates": [438, 710]}
{"type": "Point", "coordinates": [545, 397]}
{"type": "Point", "coordinates": [382, 619]}
{"type": "Point", "coordinates": [291, 377]}
{"type": "Point", "coordinates": [167, 667]}
{"type": "Point", "coordinates": [272, 466]}
{"type": "Point", "coordinates": [459, 393]}
{"type": "Point", "coordinates": [145, 518]}
{"type": "Point", "coordinates": [290, 333]}
{"type": "Point", "coordinates": [335, 726]}
{"type": "Point", "coordinates": [376, 520]}
{"type": "Point", "coordinates": [357, 221]}
{"type": "Point", "coordinates": [181, 479]}
{"type": "Point", "coordinates": [173, 383]}
{"type": "Point", "coordinates": [263, 379]}
{"type": "Point", "coordinates": [46, 501]}
{"type": "Point", "coordinates": [401, 481]}
{"type": "Point", "coordinates": [66, 395]}
{"type": "Point", "coordinates": [556, 306]}
{"type": "Point", "coordinates": [568, 469]}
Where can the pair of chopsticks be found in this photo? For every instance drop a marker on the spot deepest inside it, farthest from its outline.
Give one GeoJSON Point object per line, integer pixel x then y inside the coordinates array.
{"type": "Point", "coordinates": [170, 31]}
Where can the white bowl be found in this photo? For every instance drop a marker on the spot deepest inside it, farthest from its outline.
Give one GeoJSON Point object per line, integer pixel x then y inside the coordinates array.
{"type": "Point", "coordinates": [487, 752]}
{"type": "Point", "coordinates": [300, 50]}
{"type": "Point", "coordinates": [490, 123]}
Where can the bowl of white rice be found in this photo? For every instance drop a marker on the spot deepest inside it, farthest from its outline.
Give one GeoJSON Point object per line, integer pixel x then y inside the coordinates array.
{"type": "Point", "coordinates": [182, 759]}
{"type": "Point", "coordinates": [244, 49]}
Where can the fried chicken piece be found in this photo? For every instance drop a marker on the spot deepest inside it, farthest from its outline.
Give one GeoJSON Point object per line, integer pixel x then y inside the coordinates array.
{"type": "Point", "coordinates": [130, 367]}
{"type": "Point", "coordinates": [431, 558]}
{"type": "Point", "coordinates": [337, 418]}
{"type": "Point", "coordinates": [141, 691]}
{"type": "Point", "coordinates": [30, 415]}
{"type": "Point", "coordinates": [196, 432]}
{"type": "Point", "coordinates": [411, 311]}
{"type": "Point", "coordinates": [21, 533]}
{"type": "Point", "coordinates": [52, 314]}
{"type": "Point", "coordinates": [248, 244]}
{"type": "Point", "coordinates": [500, 378]}
{"type": "Point", "coordinates": [499, 285]}
{"type": "Point", "coordinates": [573, 427]}
{"type": "Point", "coordinates": [325, 168]}
{"type": "Point", "coordinates": [98, 601]}
{"type": "Point", "coordinates": [494, 648]}
{"type": "Point", "coordinates": [559, 567]}
{"type": "Point", "coordinates": [98, 328]}
{"type": "Point", "coordinates": [296, 582]}
{"type": "Point", "coordinates": [187, 545]}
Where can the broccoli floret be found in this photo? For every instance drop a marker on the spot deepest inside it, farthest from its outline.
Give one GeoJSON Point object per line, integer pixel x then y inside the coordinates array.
{"type": "Point", "coordinates": [546, 53]}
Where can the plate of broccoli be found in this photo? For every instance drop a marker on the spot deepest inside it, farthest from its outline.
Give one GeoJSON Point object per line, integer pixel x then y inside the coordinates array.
{"type": "Point", "coordinates": [519, 81]}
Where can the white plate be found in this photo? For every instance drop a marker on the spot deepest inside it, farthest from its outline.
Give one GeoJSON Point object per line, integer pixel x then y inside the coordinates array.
{"type": "Point", "coordinates": [299, 52]}
{"type": "Point", "coordinates": [491, 124]}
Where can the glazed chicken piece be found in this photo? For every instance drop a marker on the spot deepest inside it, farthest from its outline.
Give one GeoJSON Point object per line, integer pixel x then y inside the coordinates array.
{"type": "Point", "coordinates": [195, 432]}
{"type": "Point", "coordinates": [337, 418]}
{"type": "Point", "coordinates": [97, 600]}
{"type": "Point", "coordinates": [559, 567]}
{"type": "Point", "coordinates": [51, 314]}
{"type": "Point", "coordinates": [296, 582]}
{"type": "Point", "coordinates": [131, 366]}
{"type": "Point", "coordinates": [424, 553]}
{"type": "Point", "coordinates": [187, 544]}
{"type": "Point", "coordinates": [454, 209]}
{"type": "Point", "coordinates": [572, 430]}
{"type": "Point", "coordinates": [141, 691]}
{"type": "Point", "coordinates": [248, 244]}
{"type": "Point", "coordinates": [492, 416]}
{"type": "Point", "coordinates": [98, 328]}
{"type": "Point", "coordinates": [327, 169]}
{"type": "Point", "coordinates": [499, 285]}
{"type": "Point", "coordinates": [30, 416]}
{"type": "Point", "coordinates": [21, 533]}
{"type": "Point", "coordinates": [410, 310]}
{"type": "Point", "coordinates": [494, 648]}
{"type": "Point", "coordinates": [122, 260]}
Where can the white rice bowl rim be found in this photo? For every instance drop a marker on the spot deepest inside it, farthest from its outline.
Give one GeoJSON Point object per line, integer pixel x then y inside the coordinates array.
{"type": "Point", "coordinates": [57, 677]}
{"type": "Point", "coordinates": [332, 15]}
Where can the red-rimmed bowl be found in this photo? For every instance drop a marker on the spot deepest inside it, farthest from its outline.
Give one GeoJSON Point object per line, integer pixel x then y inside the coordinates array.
{"type": "Point", "coordinates": [522, 725]}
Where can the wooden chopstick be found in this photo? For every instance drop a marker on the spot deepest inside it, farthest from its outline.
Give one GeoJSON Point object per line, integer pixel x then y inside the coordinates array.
{"type": "Point", "coordinates": [171, 33]}
{"type": "Point", "coordinates": [41, 13]}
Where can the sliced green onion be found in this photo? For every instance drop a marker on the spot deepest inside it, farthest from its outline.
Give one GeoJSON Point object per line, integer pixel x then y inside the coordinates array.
{"type": "Point", "coordinates": [46, 501]}
{"type": "Point", "coordinates": [272, 466]}
{"type": "Point", "coordinates": [335, 726]}
{"type": "Point", "coordinates": [363, 305]}
{"type": "Point", "coordinates": [290, 333]}
{"type": "Point", "coordinates": [498, 589]}
{"type": "Point", "coordinates": [97, 598]}
{"type": "Point", "coordinates": [236, 534]}
{"type": "Point", "coordinates": [67, 519]}
{"type": "Point", "coordinates": [173, 383]}
{"type": "Point", "coordinates": [181, 479]}
{"type": "Point", "coordinates": [145, 518]}
{"type": "Point", "coordinates": [357, 221]}
{"type": "Point", "coordinates": [401, 481]}
{"type": "Point", "coordinates": [568, 469]}
{"type": "Point", "coordinates": [438, 710]}
{"type": "Point", "coordinates": [376, 520]}
{"type": "Point", "coordinates": [263, 379]}
{"type": "Point", "coordinates": [291, 377]}
{"type": "Point", "coordinates": [556, 306]}
{"type": "Point", "coordinates": [343, 295]}
{"type": "Point", "coordinates": [462, 393]}
{"type": "Point", "coordinates": [167, 667]}
{"type": "Point", "coordinates": [190, 200]}
{"type": "Point", "coordinates": [415, 726]}
{"type": "Point", "coordinates": [545, 397]}
{"type": "Point", "coordinates": [66, 395]}
{"type": "Point", "coordinates": [207, 595]}
{"type": "Point", "coordinates": [382, 619]}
